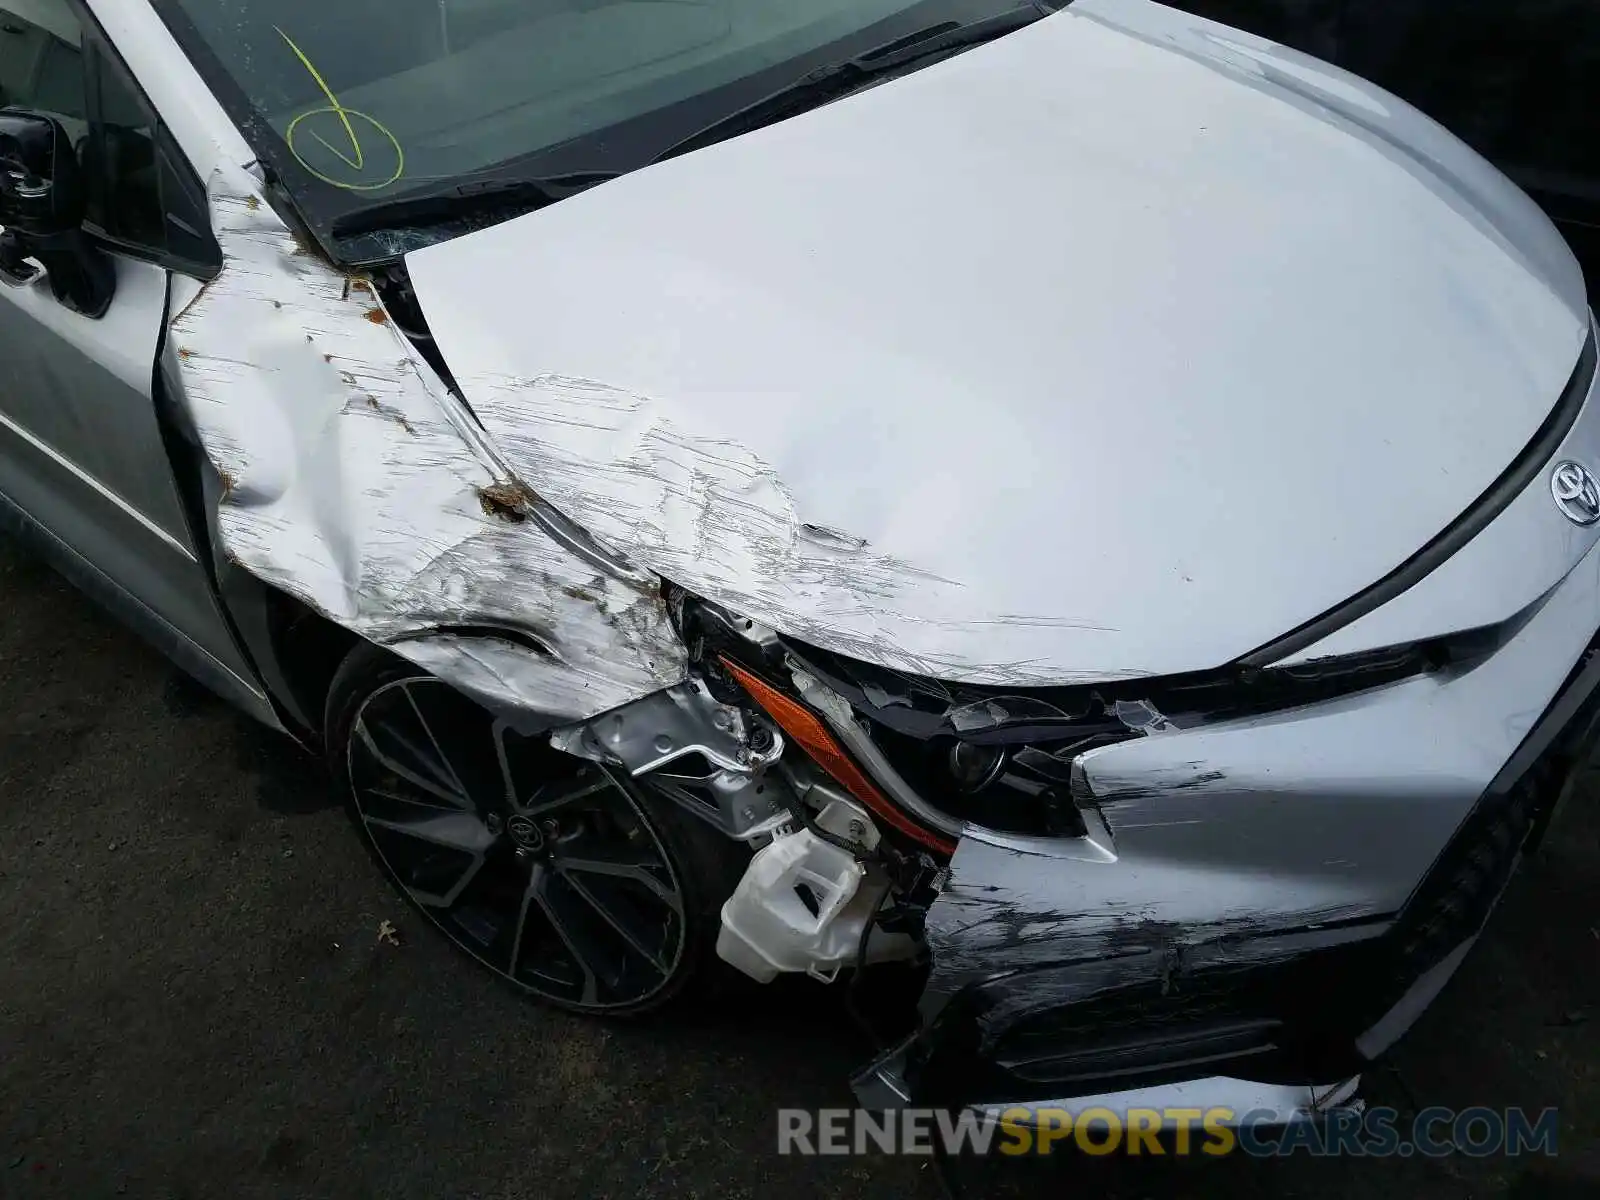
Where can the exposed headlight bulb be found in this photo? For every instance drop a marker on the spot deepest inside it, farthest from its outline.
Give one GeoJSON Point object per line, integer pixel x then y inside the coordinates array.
{"type": "Point", "coordinates": [975, 767]}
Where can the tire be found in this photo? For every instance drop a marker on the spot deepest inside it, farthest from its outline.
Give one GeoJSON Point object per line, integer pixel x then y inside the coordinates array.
{"type": "Point", "coordinates": [571, 881]}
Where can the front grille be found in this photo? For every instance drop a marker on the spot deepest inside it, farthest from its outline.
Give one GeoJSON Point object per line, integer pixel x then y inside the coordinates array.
{"type": "Point", "coordinates": [1194, 1047]}
{"type": "Point", "coordinates": [1133, 1031]}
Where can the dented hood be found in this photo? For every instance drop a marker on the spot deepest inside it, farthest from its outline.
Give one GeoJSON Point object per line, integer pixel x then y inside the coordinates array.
{"type": "Point", "coordinates": [1121, 345]}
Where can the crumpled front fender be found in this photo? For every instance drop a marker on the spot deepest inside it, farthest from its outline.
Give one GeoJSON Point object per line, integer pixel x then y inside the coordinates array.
{"type": "Point", "coordinates": [356, 482]}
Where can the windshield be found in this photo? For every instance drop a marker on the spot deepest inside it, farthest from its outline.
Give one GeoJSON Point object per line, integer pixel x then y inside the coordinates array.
{"type": "Point", "coordinates": [360, 101]}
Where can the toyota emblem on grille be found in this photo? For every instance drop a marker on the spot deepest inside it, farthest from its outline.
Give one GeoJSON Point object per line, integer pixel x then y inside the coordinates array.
{"type": "Point", "coordinates": [1576, 492]}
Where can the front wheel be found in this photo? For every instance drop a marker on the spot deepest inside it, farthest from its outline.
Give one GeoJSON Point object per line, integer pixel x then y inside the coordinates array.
{"type": "Point", "coordinates": [566, 878]}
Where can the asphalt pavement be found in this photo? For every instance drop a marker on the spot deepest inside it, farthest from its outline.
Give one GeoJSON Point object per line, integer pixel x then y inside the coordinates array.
{"type": "Point", "coordinates": [195, 1000]}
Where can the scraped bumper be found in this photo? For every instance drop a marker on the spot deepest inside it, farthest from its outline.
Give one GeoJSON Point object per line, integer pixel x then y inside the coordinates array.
{"type": "Point", "coordinates": [1268, 905]}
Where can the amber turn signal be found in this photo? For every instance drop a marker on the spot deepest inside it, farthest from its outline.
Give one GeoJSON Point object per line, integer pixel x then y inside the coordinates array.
{"type": "Point", "coordinates": [808, 732]}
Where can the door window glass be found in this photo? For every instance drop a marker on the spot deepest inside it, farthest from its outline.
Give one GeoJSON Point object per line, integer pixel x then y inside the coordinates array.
{"type": "Point", "coordinates": [127, 201]}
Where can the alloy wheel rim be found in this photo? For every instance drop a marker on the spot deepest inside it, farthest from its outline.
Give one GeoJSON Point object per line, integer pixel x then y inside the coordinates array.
{"type": "Point", "coordinates": [542, 866]}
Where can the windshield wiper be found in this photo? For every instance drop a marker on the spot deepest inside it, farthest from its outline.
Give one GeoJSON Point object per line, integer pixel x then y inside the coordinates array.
{"type": "Point", "coordinates": [464, 199]}
{"type": "Point", "coordinates": [839, 79]}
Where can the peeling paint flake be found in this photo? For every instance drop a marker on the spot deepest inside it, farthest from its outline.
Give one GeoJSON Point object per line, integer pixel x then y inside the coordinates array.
{"type": "Point", "coordinates": [356, 483]}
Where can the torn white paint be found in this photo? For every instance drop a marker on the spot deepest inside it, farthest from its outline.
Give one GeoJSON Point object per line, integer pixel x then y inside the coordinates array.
{"type": "Point", "coordinates": [707, 512]}
{"type": "Point", "coordinates": [356, 483]}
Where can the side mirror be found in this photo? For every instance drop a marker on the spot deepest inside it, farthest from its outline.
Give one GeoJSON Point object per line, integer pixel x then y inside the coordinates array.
{"type": "Point", "coordinates": [42, 206]}
{"type": "Point", "coordinates": [41, 187]}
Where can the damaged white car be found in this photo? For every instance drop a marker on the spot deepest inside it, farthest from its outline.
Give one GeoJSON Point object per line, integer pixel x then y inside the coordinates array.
{"type": "Point", "coordinates": [1076, 499]}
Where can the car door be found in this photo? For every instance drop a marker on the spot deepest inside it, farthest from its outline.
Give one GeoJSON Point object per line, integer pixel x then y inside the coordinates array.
{"type": "Point", "coordinates": [83, 462]}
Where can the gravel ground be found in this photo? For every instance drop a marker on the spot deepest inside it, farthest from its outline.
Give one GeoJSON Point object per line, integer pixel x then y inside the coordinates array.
{"type": "Point", "coordinates": [194, 1001]}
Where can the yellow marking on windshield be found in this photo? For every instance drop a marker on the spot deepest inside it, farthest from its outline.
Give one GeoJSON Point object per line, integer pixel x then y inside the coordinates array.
{"type": "Point", "coordinates": [356, 159]}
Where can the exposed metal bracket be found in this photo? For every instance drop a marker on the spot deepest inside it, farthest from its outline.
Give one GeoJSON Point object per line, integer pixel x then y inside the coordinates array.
{"type": "Point", "coordinates": [733, 792]}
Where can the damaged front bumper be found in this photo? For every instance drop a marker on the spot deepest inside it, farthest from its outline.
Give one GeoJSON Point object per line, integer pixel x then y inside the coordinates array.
{"type": "Point", "coordinates": [1252, 909]}
{"type": "Point", "coordinates": [1272, 902]}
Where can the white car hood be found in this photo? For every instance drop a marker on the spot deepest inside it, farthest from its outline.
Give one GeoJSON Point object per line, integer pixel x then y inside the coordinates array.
{"type": "Point", "coordinates": [1121, 345]}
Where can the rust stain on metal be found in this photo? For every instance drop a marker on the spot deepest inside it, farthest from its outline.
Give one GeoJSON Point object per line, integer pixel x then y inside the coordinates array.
{"type": "Point", "coordinates": [377, 316]}
{"type": "Point", "coordinates": [394, 414]}
{"type": "Point", "coordinates": [506, 500]}
{"type": "Point", "coordinates": [193, 300]}
{"type": "Point", "coordinates": [303, 247]}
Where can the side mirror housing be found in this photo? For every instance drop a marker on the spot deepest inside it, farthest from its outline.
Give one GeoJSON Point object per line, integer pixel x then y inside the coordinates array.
{"type": "Point", "coordinates": [42, 206]}
{"type": "Point", "coordinates": [41, 186]}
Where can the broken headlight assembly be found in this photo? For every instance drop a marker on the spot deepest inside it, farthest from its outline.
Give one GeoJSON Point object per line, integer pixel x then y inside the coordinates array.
{"type": "Point", "coordinates": [928, 758]}
{"type": "Point", "coordinates": [852, 783]}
